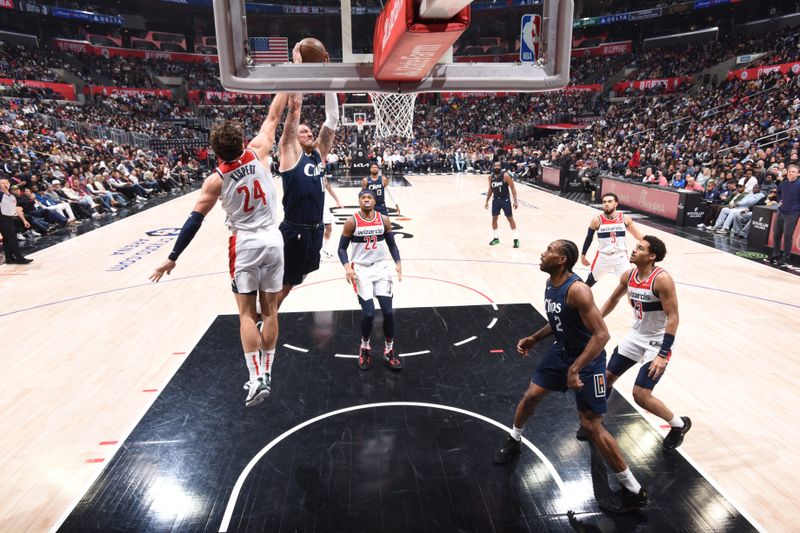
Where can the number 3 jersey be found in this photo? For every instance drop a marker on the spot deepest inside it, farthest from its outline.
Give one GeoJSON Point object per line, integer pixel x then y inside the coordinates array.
{"type": "Point", "coordinates": [649, 319]}
{"type": "Point", "coordinates": [367, 245]}
{"type": "Point", "coordinates": [248, 194]}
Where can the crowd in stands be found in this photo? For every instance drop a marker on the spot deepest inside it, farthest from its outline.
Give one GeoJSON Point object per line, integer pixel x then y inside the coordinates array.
{"type": "Point", "coordinates": [22, 63]}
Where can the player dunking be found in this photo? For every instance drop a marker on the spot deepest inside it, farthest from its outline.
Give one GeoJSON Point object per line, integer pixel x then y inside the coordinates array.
{"type": "Point", "coordinates": [379, 184]}
{"type": "Point", "coordinates": [499, 184]}
{"type": "Point", "coordinates": [612, 250]}
{"type": "Point", "coordinates": [577, 361]}
{"type": "Point", "coordinates": [244, 183]}
{"type": "Point", "coordinates": [655, 322]}
{"type": "Point", "coordinates": [368, 271]}
{"type": "Point", "coordinates": [302, 169]}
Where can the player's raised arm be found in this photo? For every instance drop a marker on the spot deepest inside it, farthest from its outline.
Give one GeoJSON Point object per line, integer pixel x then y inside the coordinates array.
{"type": "Point", "coordinates": [209, 194]}
{"type": "Point", "coordinates": [289, 147]}
{"type": "Point", "coordinates": [263, 142]}
{"type": "Point", "coordinates": [328, 130]}
{"type": "Point", "coordinates": [580, 298]}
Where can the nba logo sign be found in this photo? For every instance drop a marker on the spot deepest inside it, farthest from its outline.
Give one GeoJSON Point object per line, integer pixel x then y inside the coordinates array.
{"type": "Point", "coordinates": [530, 30]}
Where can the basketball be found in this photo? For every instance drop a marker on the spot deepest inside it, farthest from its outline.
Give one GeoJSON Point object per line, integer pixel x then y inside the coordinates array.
{"type": "Point", "coordinates": [313, 51]}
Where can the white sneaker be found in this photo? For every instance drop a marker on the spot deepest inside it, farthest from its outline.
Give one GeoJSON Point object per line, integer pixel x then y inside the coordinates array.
{"type": "Point", "coordinates": [257, 390]}
{"type": "Point", "coordinates": [701, 226]}
{"type": "Point", "coordinates": [326, 254]}
{"type": "Point", "coordinates": [20, 237]}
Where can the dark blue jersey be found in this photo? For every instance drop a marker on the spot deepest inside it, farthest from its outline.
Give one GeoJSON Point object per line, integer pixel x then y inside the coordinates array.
{"type": "Point", "coordinates": [568, 328]}
{"type": "Point", "coordinates": [499, 186]}
{"type": "Point", "coordinates": [377, 187]}
{"type": "Point", "coordinates": [303, 190]}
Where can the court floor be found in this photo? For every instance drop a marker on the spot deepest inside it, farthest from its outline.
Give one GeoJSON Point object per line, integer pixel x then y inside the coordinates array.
{"type": "Point", "coordinates": [102, 367]}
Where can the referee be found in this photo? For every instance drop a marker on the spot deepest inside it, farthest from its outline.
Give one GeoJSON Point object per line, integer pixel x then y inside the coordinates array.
{"type": "Point", "coordinates": [9, 212]}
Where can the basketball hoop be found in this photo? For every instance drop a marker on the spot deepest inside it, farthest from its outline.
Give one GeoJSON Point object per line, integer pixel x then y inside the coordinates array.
{"type": "Point", "coordinates": [394, 114]}
{"type": "Point", "coordinates": [360, 124]}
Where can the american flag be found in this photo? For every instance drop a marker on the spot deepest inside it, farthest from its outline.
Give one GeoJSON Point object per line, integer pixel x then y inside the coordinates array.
{"type": "Point", "coordinates": [269, 49]}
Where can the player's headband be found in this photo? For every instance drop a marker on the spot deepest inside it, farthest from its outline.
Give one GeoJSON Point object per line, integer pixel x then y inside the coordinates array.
{"type": "Point", "coordinates": [367, 191]}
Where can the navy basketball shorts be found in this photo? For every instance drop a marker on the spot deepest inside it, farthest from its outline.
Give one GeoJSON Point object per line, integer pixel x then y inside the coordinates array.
{"type": "Point", "coordinates": [551, 374]}
{"type": "Point", "coordinates": [501, 205]}
{"type": "Point", "coordinates": [619, 364]}
{"type": "Point", "coordinates": [301, 247]}
{"type": "Point", "coordinates": [382, 209]}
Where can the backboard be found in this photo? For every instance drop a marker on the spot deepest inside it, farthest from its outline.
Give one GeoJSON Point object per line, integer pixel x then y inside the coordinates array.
{"type": "Point", "coordinates": [484, 58]}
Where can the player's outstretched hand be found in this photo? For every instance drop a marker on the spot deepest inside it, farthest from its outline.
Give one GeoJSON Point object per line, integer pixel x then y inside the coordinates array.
{"type": "Point", "coordinates": [574, 380]}
{"type": "Point", "coordinates": [525, 344]}
{"type": "Point", "coordinates": [516, 204]}
{"type": "Point", "coordinates": [584, 261]}
{"type": "Point", "coordinates": [165, 268]}
{"type": "Point", "coordinates": [399, 269]}
{"type": "Point", "coordinates": [297, 57]}
{"type": "Point", "coordinates": [486, 205]}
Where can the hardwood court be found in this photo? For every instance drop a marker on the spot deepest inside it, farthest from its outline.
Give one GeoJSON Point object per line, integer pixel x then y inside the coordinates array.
{"type": "Point", "coordinates": [89, 344]}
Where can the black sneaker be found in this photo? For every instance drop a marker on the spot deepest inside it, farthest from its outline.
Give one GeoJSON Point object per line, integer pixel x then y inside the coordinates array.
{"type": "Point", "coordinates": [773, 259]}
{"type": "Point", "coordinates": [675, 436]}
{"type": "Point", "coordinates": [394, 362]}
{"type": "Point", "coordinates": [625, 501]}
{"type": "Point", "coordinates": [365, 359]}
{"type": "Point", "coordinates": [509, 448]}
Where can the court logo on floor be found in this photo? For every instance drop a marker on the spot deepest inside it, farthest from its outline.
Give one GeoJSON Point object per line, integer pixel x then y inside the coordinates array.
{"type": "Point", "coordinates": [751, 255]}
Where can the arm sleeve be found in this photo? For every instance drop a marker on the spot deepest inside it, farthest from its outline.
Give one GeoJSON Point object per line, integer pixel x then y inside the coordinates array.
{"type": "Point", "coordinates": [666, 345]}
{"type": "Point", "coordinates": [390, 242]}
{"type": "Point", "coordinates": [587, 241]}
{"type": "Point", "coordinates": [344, 242]}
{"type": "Point", "coordinates": [186, 235]}
{"type": "Point", "coordinates": [331, 110]}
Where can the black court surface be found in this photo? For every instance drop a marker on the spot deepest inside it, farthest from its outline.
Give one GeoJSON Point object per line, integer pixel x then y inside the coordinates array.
{"type": "Point", "coordinates": [341, 450]}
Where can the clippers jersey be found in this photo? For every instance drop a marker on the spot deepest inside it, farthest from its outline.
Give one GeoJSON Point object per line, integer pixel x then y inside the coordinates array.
{"type": "Point", "coordinates": [649, 319]}
{"type": "Point", "coordinates": [611, 235]}
{"type": "Point", "coordinates": [499, 186]}
{"type": "Point", "coordinates": [377, 188]}
{"type": "Point", "coordinates": [248, 194]}
{"type": "Point", "coordinates": [568, 327]}
{"type": "Point", "coordinates": [366, 243]}
{"type": "Point", "coordinates": [303, 190]}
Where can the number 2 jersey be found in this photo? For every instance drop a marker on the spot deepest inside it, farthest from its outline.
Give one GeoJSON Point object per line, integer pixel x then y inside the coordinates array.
{"type": "Point", "coordinates": [248, 194]}
{"type": "Point", "coordinates": [611, 235]}
{"type": "Point", "coordinates": [566, 323]}
{"type": "Point", "coordinates": [367, 245]}
{"type": "Point", "coordinates": [649, 318]}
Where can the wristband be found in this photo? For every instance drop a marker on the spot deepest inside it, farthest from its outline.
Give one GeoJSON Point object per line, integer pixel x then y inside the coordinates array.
{"type": "Point", "coordinates": [666, 345]}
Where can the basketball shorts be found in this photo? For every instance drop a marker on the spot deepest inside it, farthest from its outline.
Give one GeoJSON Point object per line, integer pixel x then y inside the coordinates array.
{"type": "Point", "coordinates": [256, 261]}
{"type": "Point", "coordinates": [327, 215]}
{"type": "Point", "coordinates": [636, 348]}
{"type": "Point", "coordinates": [301, 246]}
{"type": "Point", "coordinates": [373, 280]}
{"type": "Point", "coordinates": [382, 209]}
{"type": "Point", "coordinates": [551, 374]}
{"type": "Point", "coordinates": [501, 205]}
{"type": "Point", "coordinates": [616, 264]}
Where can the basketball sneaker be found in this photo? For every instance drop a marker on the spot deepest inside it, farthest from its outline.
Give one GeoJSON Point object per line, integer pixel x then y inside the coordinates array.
{"type": "Point", "coordinates": [494, 241]}
{"type": "Point", "coordinates": [364, 359]}
{"type": "Point", "coordinates": [257, 390]}
{"type": "Point", "coordinates": [391, 358]}
{"type": "Point", "coordinates": [509, 449]}
{"type": "Point", "coordinates": [675, 436]}
{"type": "Point", "coordinates": [516, 243]}
{"type": "Point", "coordinates": [625, 501]}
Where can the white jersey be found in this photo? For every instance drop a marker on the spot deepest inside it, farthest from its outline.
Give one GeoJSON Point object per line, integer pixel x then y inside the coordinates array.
{"type": "Point", "coordinates": [649, 318]}
{"type": "Point", "coordinates": [611, 235]}
{"type": "Point", "coordinates": [367, 242]}
{"type": "Point", "coordinates": [248, 194]}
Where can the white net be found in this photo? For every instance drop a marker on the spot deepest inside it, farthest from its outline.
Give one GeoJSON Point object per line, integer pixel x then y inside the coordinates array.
{"type": "Point", "coordinates": [394, 114]}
